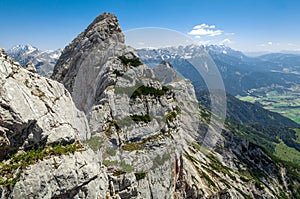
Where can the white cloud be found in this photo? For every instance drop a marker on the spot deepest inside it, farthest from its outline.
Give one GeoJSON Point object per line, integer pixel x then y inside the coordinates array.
{"type": "Point", "coordinates": [269, 43]}
{"type": "Point", "coordinates": [205, 30]}
{"type": "Point", "coordinates": [225, 41]}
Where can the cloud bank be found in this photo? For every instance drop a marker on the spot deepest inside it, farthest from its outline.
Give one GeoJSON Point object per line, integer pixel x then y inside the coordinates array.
{"type": "Point", "coordinates": [205, 30]}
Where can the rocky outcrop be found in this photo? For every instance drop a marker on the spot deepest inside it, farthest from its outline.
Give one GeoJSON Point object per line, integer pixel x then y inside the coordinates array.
{"type": "Point", "coordinates": [35, 111]}
{"type": "Point", "coordinates": [145, 133]}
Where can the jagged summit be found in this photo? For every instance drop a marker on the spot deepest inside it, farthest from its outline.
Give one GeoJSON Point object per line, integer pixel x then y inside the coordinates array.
{"type": "Point", "coordinates": [82, 61]}
{"type": "Point", "coordinates": [106, 23]}
{"type": "Point", "coordinates": [27, 48]}
{"type": "Point", "coordinates": [102, 39]}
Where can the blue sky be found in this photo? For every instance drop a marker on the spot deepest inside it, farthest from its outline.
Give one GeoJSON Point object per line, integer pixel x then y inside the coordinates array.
{"type": "Point", "coordinates": [247, 25]}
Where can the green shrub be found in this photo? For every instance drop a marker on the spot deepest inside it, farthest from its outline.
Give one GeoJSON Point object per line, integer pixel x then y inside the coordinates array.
{"type": "Point", "coordinates": [146, 90]}
{"type": "Point", "coordinates": [95, 143]}
{"type": "Point", "coordinates": [111, 152]}
{"type": "Point", "coordinates": [140, 145]}
{"type": "Point", "coordinates": [135, 62]}
{"type": "Point", "coordinates": [171, 116]}
{"type": "Point", "coordinates": [141, 118]}
{"type": "Point", "coordinates": [118, 73]}
{"type": "Point", "coordinates": [140, 175]}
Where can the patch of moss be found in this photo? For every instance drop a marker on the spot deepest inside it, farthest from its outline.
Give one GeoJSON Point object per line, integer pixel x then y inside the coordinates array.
{"type": "Point", "coordinates": [126, 167]}
{"type": "Point", "coordinates": [111, 152]}
{"type": "Point", "coordinates": [95, 143]}
{"type": "Point", "coordinates": [132, 146]}
{"type": "Point", "coordinates": [196, 146]}
{"type": "Point", "coordinates": [135, 62]}
{"type": "Point", "coordinates": [140, 175]}
{"type": "Point", "coordinates": [109, 163]}
{"type": "Point", "coordinates": [160, 160]}
{"type": "Point", "coordinates": [244, 178]}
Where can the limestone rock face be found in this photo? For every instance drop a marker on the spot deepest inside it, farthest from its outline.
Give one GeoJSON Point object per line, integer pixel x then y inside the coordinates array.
{"type": "Point", "coordinates": [69, 176]}
{"type": "Point", "coordinates": [146, 129]}
{"type": "Point", "coordinates": [35, 111]}
{"type": "Point", "coordinates": [81, 63]}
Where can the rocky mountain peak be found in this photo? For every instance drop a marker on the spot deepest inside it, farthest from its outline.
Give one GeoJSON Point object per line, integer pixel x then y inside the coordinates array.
{"type": "Point", "coordinates": [84, 59]}
{"type": "Point", "coordinates": [107, 26]}
{"type": "Point", "coordinates": [27, 48]}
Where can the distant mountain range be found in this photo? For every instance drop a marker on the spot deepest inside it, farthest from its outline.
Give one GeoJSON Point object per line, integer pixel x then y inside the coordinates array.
{"type": "Point", "coordinates": [270, 80]}
{"type": "Point", "coordinates": [240, 73]}
{"type": "Point", "coordinates": [44, 61]}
